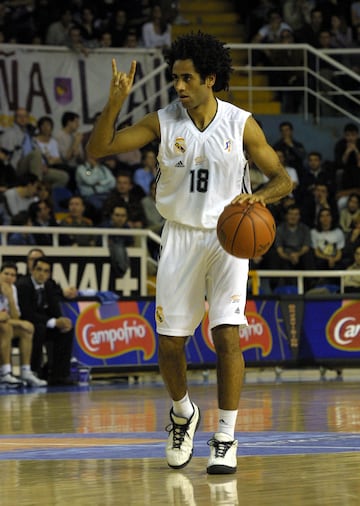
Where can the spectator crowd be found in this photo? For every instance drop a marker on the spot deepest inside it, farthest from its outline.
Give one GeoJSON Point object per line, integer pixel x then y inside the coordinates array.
{"type": "Point", "coordinates": [84, 25]}
{"type": "Point", "coordinates": [46, 178]}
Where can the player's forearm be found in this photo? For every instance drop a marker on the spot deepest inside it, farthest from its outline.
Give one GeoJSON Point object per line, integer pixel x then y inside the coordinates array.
{"type": "Point", "coordinates": [277, 188]}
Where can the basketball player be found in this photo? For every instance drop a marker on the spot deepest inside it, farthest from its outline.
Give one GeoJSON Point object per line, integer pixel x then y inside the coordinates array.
{"type": "Point", "coordinates": [202, 167]}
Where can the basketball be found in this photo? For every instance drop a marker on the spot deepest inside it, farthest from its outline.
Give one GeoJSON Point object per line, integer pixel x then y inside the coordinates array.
{"type": "Point", "coordinates": [246, 230]}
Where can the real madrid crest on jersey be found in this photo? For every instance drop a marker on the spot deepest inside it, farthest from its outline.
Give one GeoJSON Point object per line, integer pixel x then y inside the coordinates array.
{"type": "Point", "coordinates": [179, 145]}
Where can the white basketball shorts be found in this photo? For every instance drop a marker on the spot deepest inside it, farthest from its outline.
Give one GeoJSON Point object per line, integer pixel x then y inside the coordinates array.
{"type": "Point", "coordinates": [193, 266]}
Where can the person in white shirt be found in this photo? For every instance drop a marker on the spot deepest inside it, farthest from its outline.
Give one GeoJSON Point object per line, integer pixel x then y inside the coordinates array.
{"type": "Point", "coordinates": [11, 326]}
{"type": "Point", "coordinates": [156, 33]}
{"type": "Point", "coordinates": [202, 167]}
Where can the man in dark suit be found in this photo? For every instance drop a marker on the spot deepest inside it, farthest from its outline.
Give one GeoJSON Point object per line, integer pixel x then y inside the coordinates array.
{"type": "Point", "coordinates": [39, 304]}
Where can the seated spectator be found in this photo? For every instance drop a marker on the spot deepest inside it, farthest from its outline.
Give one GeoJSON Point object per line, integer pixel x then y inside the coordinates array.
{"type": "Point", "coordinates": [76, 42]}
{"type": "Point", "coordinates": [17, 144]}
{"type": "Point", "coordinates": [94, 181]}
{"type": "Point", "coordinates": [293, 242]}
{"type": "Point", "coordinates": [131, 39]}
{"type": "Point", "coordinates": [76, 218]}
{"type": "Point", "coordinates": [12, 326]}
{"type": "Point", "coordinates": [41, 215]}
{"type": "Point", "coordinates": [293, 150]}
{"type": "Point", "coordinates": [347, 156]}
{"type": "Point", "coordinates": [348, 147]}
{"type": "Point", "coordinates": [69, 292]}
{"type": "Point", "coordinates": [270, 32]}
{"type": "Point", "coordinates": [350, 213]}
{"type": "Point", "coordinates": [105, 40]}
{"type": "Point", "coordinates": [327, 241]}
{"type": "Point", "coordinates": [21, 196]}
{"type": "Point", "coordinates": [352, 283]}
{"type": "Point", "coordinates": [309, 32]}
{"type": "Point", "coordinates": [22, 219]}
{"type": "Point", "coordinates": [39, 303]}
{"type": "Point", "coordinates": [57, 33]}
{"type": "Point", "coordinates": [340, 32]}
{"type": "Point", "coordinates": [51, 171]}
{"type": "Point", "coordinates": [118, 243]}
{"type": "Point", "coordinates": [144, 175]}
{"type": "Point", "coordinates": [297, 13]}
{"type": "Point", "coordinates": [352, 241]}
{"type": "Point", "coordinates": [89, 26]}
{"type": "Point", "coordinates": [315, 172]}
{"type": "Point", "coordinates": [118, 27]}
{"type": "Point", "coordinates": [126, 192]}
{"type": "Point", "coordinates": [156, 33]}
{"type": "Point", "coordinates": [70, 144]}
{"type": "Point", "coordinates": [317, 199]}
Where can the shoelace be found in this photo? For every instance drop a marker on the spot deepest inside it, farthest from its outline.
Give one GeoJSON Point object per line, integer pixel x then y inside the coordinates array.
{"type": "Point", "coordinates": [179, 433]}
{"type": "Point", "coordinates": [221, 447]}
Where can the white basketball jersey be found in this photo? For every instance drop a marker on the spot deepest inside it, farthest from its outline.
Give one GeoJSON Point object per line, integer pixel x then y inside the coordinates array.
{"type": "Point", "coordinates": [200, 172]}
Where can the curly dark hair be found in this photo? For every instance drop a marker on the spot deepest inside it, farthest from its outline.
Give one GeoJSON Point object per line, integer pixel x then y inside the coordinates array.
{"type": "Point", "coordinates": [209, 55]}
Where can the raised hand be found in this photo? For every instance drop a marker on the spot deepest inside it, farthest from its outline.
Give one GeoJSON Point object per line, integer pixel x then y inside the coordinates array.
{"type": "Point", "coordinates": [121, 82]}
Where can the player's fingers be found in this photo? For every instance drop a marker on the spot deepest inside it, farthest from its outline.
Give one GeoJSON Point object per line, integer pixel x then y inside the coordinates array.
{"type": "Point", "coordinates": [132, 71]}
{"type": "Point", "coordinates": [114, 67]}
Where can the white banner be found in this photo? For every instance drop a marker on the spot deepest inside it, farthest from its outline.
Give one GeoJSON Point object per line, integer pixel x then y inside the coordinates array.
{"type": "Point", "coordinates": [49, 81]}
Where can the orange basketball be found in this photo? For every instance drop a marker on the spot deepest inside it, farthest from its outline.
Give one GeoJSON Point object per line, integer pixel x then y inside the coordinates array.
{"type": "Point", "coordinates": [246, 230]}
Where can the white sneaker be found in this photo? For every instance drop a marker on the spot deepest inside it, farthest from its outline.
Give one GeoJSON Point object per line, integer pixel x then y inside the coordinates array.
{"type": "Point", "coordinates": [222, 458]}
{"type": "Point", "coordinates": [180, 442]}
{"type": "Point", "coordinates": [180, 489]}
{"type": "Point", "coordinates": [10, 381]}
{"type": "Point", "coordinates": [33, 381]}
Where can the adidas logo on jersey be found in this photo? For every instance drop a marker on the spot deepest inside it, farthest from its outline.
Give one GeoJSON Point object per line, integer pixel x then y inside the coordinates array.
{"type": "Point", "coordinates": [179, 164]}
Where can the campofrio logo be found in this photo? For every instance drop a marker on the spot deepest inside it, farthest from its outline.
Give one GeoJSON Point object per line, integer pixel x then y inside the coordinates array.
{"type": "Point", "coordinates": [256, 334]}
{"type": "Point", "coordinates": [114, 336]}
{"type": "Point", "coordinates": [343, 328]}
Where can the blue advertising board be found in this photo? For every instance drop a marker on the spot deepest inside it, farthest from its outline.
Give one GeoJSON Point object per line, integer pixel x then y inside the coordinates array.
{"type": "Point", "coordinates": [123, 333]}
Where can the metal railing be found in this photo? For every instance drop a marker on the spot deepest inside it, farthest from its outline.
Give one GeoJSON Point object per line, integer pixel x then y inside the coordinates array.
{"type": "Point", "coordinates": [323, 89]}
{"type": "Point", "coordinates": [256, 277]}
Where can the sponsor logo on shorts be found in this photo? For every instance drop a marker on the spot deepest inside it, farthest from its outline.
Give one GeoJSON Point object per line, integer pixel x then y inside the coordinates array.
{"type": "Point", "coordinates": [235, 299]}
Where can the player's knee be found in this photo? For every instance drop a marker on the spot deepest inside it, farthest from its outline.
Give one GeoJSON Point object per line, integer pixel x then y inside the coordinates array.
{"type": "Point", "coordinates": [226, 339]}
{"type": "Point", "coordinates": [168, 345]}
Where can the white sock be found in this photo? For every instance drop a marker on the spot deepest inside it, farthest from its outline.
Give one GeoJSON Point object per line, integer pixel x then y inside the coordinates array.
{"type": "Point", "coordinates": [5, 369]}
{"type": "Point", "coordinates": [227, 421]}
{"type": "Point", "coordinates": [25, 369]}
{"type": "Point", "coordinates": [183, 407]}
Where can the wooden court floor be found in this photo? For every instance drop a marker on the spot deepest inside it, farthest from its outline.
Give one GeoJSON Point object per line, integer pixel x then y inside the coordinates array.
{"type": "Point", "coordinates": [103, 445]}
